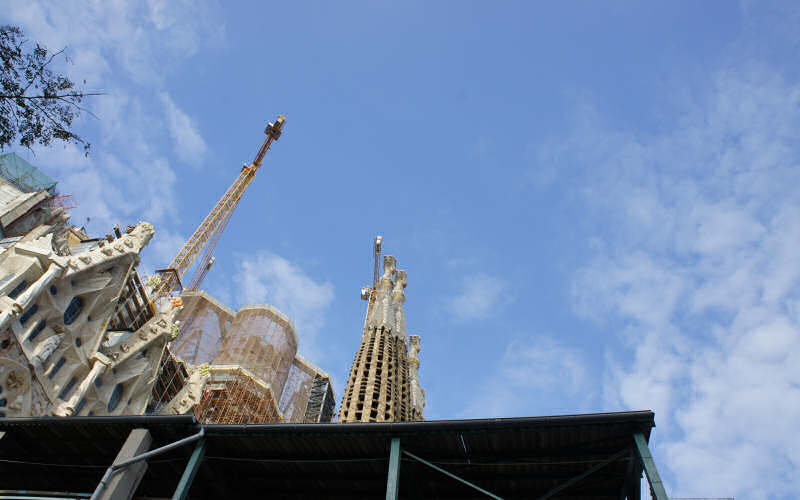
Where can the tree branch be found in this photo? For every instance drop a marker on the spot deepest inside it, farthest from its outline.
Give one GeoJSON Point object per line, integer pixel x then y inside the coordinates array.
{"type": "Point", "coordinates": [60, 96]}
{"type": "Point", "coordinates": [41, 70]}
{"type": "Point", "coordinates": [59, 122]}
{"type": "Point", "coordinates": [46, 115]}
{"type": "Point", "coordinates": [80, 108]}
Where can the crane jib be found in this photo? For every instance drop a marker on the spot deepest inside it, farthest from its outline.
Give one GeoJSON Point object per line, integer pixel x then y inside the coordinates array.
{"type": "Point", "coordinates": [213, 224]}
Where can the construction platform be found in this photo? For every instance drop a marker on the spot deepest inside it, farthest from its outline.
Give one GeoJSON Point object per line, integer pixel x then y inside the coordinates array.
{"type": "Point", "coordinates": [589, 456]}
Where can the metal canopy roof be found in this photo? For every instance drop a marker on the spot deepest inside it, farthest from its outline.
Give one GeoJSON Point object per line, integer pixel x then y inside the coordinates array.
{"type": "Point", "coordinates": [513, 457]}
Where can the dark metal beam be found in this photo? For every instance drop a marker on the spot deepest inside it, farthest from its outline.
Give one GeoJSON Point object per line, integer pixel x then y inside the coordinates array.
{"type": "Point", "coordinates": [393, 479]}
{"type": "Point", "coordinates": [656, 486]}
{"type": "Point", "coordinates": [587, 472]}
{"type": "Point", "coordinates": [566, 458]}
{"type": "Point", "coordinates": [251, 471]}
{"type": "Point", "coordinates": [634, 491]}
{"type": "Point", "coordinates": [192, 467]}
{"type": "Point", "coordinates": [638, 419]}
{"type": "Point", "coordinates": [448, 474]}
{"type": "Point", "coordinates": [633, 474]}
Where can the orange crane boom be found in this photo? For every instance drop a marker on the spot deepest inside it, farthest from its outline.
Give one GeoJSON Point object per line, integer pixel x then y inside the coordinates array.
{"type": "Point", "coordinates": [212, 226]}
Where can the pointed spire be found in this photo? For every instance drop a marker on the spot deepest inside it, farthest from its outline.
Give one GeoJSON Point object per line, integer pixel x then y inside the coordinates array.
{"type": "Point", "coordinates": [398, 298]}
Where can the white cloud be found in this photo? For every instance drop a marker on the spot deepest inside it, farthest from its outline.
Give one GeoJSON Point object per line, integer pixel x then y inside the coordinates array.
{"type": "Point", "coordinates": [189, 144]}
{"type": "Point", "coordinates": [697, 273]}
{"type": "Point", "coordinates": [633, 285]}
{"type": "Point", "coordinates": [123, 49]}
{"type": "Point", "coordinates": [162, 250]}
{"type": "Point", "coordinates": [139, 41]}
{"type": "Point", "coordinates": [479, 295]}
{"type": "Point", "coordinates": [533, 369]}
{"type": "Point", "coordinates": [269, 278]}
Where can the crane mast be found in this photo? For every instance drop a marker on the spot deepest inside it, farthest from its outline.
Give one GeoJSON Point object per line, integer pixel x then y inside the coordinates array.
{"type": "Point", "coordinates": [369, 293]}
{"type": "Point", "coordinates": [212, 226]}
{"type": "Point", "coordinates": [376, 252]}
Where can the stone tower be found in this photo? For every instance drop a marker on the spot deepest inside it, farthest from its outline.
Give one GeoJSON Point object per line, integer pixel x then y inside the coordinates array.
{"type": "Point", "coordinates": [384, 385]}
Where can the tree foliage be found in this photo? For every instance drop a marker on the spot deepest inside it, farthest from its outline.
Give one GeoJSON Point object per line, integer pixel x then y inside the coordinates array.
{"type": "Point", "coordinates": [37, 105]}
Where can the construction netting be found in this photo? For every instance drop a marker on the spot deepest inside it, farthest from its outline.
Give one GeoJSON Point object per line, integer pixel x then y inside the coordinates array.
{"type": "Point", "coordinates": [321, 401]}
{"type": "Point", "coordinates": [24, 176]}
{"type": "Point", "coordinates": [262, 340]}
{"type": "Point", "coordinates": [256, 375]}
{"type": "Point", "coordinates": [233, 396]}
{"type": "Point", "coordinates": [204, 322]}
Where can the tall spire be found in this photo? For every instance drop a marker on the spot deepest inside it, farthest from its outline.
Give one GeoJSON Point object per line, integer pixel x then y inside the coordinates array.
{"type": "Point", "coordinates": [379, 388]}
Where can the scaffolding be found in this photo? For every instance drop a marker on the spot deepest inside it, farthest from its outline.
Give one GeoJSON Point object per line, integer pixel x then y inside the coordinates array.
{"type": "Point", "coordinates": [321, 401]}
{"type": "Point", "coordinates": [134, 309]}
{"type": "Point", "coordinates": [172, 375]}
{"type": "Point", "coordinates": [233, 395]}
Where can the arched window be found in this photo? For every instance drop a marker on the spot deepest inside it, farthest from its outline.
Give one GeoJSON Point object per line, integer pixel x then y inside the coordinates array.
{"type": "Point", "coordinates": [73, 310]}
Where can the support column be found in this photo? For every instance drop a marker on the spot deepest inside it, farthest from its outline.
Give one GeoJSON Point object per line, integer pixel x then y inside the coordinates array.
{"type": "Point", "coordinates": [393, 479]}
{"type": "Point", "coordinates": [631, 489]}
{"type": "Point", "coordinates": [192, 467]}
{"type": "Point", "coordinates": [123, 484]}
{"type": "Point", "coordinates": [656, 486]}
{"type": "Point", "coordinates": [634, 487]}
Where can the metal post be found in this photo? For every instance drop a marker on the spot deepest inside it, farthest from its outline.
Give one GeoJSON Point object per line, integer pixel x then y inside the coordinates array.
{"type": "Point", "coordinates": [633, 475]}
{"type": "Point", "coordinates": [656, 486]}
{"type": "Point", "coordinates": [634, 489]}
{"type": "Point", "coordinates": [393, 479]}
{"type": "Point", "coordinates": [192, 467]}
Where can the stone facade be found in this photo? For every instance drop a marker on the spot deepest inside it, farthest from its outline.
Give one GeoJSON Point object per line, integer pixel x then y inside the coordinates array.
{"type": "Point", "coordinates": [57, 356]}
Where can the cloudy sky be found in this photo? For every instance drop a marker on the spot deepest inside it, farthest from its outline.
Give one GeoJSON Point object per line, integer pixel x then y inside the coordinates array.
{"type": "Point", "coordinates": [597, 205]}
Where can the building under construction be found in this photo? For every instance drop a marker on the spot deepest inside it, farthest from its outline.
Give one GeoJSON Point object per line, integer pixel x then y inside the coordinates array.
{"type": "Point", "coordinates": [81, 335]}
{"type": "Point", "coordinates": [383, 385]}
{"type": "Point", "coordinates": [252, 370]}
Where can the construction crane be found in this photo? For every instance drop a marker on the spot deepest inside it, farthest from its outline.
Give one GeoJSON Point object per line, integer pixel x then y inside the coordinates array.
{"type": "Point", "coordinates": [200, 273]}
{"type": "Point", "coordinates": [209, 231]}
{"type": "Point", "coordinates": [368, 292]}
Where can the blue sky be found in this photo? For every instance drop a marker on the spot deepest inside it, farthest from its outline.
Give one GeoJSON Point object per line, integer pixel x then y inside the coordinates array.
{"type": "Point", "coordinates": [596, 203]}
